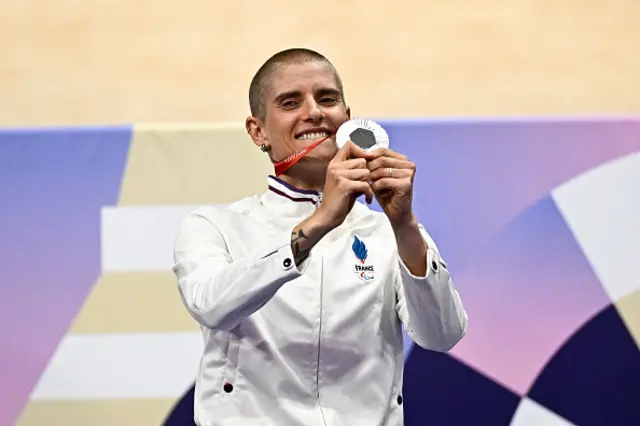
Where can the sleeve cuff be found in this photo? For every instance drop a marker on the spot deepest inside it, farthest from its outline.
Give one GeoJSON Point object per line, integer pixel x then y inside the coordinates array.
{"type": "Point", "coordinates": [287, 262]}
{"type": "Point", "coordinates": [283, 256]}
{"type": "Point", "coordinates": [434, 263]}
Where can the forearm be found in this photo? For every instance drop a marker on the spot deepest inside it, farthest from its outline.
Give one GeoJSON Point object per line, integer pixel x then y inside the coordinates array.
{"type": "Point", "coordinates": [430, 305]}
{"type": "Point", "coordinates": [434, 316]}
{"type": "Point", "coordinates": [412, 248]}
{"type": "Point", "coordinates": [219, 292]}
{"type": "Point", "coordinates": [306, 235]}
{"type": "Point", "coordinates": [218, 289]}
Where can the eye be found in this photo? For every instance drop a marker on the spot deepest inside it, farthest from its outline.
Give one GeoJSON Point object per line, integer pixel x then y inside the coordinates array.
{"type": "Point", "coordinates": [289, 104]}
{"type": "Point", "coordinates": [328, 101]}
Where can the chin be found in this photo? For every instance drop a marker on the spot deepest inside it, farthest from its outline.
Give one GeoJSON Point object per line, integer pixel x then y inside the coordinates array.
{"type": "Point", "coordinates": [317, 160]}
{"type": "Point", "coordinates": [327, 150]}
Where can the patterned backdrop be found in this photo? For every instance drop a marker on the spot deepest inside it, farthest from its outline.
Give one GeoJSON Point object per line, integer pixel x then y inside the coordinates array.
{"type": "Point", "coordinates": [538, 220]}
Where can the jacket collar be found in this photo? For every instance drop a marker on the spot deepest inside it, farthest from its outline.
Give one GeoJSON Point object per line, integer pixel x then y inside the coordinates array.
{"type": "Point", "coordinates": [285, 199]}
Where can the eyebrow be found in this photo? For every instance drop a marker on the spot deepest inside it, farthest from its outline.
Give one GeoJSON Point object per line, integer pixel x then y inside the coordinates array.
{"type": "Point", "coordinates": [297, 94]}
{"type": "Point", "coordinates": [328, 91]}
{"type": "Point", "coordinates": [285, 95]}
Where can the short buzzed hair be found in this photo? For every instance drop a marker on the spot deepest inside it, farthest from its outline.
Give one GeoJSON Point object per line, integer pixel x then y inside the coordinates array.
{"type": "Point", "coordinates": [261, 79]}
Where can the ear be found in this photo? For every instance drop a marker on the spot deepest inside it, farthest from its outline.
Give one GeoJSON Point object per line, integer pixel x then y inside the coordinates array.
{"type": "Point", "coordinates": [255, 129]}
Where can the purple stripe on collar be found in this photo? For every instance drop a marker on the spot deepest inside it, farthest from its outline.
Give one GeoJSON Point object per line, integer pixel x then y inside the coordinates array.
{"type": "Point", "coordinates": [293, 188]}
{"type": "Point", "coordinates": [298, 200]}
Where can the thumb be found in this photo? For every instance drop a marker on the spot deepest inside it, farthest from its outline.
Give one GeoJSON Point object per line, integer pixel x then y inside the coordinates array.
{"type": "Point", "coordinates": [351, 150]}
{"type": "Point", "coordinates": [344, 153]}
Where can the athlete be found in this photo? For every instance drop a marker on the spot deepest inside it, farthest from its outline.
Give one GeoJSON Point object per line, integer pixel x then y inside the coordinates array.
{"type": "Point", "coordinates": [301, 292]}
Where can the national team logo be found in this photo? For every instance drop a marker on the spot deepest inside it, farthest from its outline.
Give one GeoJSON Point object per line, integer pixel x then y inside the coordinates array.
{"type": "Point", "coordinates": [365, 272]}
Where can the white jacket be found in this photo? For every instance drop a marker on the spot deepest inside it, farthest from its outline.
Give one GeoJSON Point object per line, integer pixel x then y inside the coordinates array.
{"type": "Point", "coordinates": [316, 346]}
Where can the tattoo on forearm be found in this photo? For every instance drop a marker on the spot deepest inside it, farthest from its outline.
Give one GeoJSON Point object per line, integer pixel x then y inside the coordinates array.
{"type": "Point", "coordinates": [299, 254]}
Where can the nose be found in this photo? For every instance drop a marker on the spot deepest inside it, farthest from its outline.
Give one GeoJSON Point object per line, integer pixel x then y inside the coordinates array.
{"type": "Point", "coordinates": [313, 111]}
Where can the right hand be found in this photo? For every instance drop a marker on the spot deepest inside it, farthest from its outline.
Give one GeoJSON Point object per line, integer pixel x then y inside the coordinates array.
{"type": "Point", "coordinates": [347, 178]}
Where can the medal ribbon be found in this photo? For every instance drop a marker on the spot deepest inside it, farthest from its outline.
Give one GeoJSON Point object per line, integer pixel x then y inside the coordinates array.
{"type": "Point", "coordinates": [284, 165]}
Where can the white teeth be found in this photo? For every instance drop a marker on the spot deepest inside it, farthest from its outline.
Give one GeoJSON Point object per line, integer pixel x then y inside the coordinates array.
{"type": "Point", "coordinates": [314, 136]}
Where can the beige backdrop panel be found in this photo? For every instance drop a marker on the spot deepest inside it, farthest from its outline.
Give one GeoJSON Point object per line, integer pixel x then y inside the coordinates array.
{"type": "Point", "coordinates": [113, 412]}
{"type": "Point", "coordinates": [105, 61]}
{"type": "Point", "coordinates": [192, 164]}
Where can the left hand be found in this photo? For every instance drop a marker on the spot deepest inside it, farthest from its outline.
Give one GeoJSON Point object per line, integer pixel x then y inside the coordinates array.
{"type": "Point", "coordinates": [392, 184]}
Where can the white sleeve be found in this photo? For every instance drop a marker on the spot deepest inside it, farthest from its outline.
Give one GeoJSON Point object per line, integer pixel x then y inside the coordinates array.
{"type": "Point", "coordinates": [430, 307]}
{"type": "Point", "coordinates": [219, 291]}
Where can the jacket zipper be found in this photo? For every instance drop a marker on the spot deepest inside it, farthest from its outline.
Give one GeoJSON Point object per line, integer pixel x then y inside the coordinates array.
{"type": "Point", "coordinates": [324, 420]}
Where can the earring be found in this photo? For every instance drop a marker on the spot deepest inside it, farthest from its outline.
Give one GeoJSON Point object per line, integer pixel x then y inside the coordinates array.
{"type": "Point", "coordinates": [265, 147]}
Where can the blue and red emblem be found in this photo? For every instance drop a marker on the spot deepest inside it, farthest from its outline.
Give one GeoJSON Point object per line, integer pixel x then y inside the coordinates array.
{"type": "Point", "coordinates": [365, 272]}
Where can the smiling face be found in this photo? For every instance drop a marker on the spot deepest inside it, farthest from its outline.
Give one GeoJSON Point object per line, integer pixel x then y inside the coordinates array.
{"type": "Point", "coordinates": [302, 103]}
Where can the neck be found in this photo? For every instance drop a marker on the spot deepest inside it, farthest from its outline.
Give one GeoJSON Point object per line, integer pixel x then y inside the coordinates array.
{"type": "Point", "coordinates": [305, 179]}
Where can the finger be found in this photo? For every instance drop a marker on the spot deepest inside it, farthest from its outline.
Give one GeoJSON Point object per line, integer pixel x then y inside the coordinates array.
{"type": "Point", "coordinates": [336, 167]}
{"type": "Point", "coordinates": [387, 184]}
{"type": "Point", "coordinates": [351, 150]}
{"type": "Point", "coordinates": [358, 187]}
{"type": "Point", "coordinates": [355, 174]}
{"type": "Point", "coordinates": [387, 162]}
{"type": "Point", "coordinates": [343, 153]}
{"type": "Point", "coordinates": [347, 151]}
{"type": "Point", "coordinates": [368, 193]}
{"type": "Point", "coordinates": [357, 152]}
{"type": "Point", "coordinates": [383, 173]}
{"type": "Point", "coordinates": [386, 152]}
{"type": "Point", "coordinates": [354, 163]}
